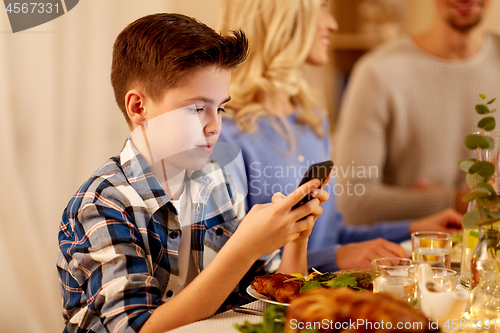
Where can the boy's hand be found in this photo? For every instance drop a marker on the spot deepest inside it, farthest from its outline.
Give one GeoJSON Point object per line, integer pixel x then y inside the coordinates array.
{"type": "Point", "coordinates": [270, 226]}
{"type": "Point", "coordinates": [320, 194]}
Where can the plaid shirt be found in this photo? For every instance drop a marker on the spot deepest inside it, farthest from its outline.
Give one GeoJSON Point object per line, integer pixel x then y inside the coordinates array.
{"type": "Point", "coordinates": [119, 240]}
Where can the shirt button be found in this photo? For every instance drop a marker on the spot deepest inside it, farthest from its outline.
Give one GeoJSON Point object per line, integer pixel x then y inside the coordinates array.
{"type": "Point", "coordinates": [174, 234]}
{"type": "Point", "coordinates": [170, 293]}
{"type": "Point", "coordinates": [198, 209]}
{"type": "Point", "coordinates": [219, 232]}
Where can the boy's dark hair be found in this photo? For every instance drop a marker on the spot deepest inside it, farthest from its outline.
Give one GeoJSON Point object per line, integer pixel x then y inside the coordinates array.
{"type": "Point", "coordinates": [157, 51]}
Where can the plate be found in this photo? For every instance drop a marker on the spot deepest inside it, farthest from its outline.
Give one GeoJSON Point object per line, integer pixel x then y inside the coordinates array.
{"type": "Point", "coordinates": [264, 298]}
{"type": "Point", "coordinates": [456, 253]}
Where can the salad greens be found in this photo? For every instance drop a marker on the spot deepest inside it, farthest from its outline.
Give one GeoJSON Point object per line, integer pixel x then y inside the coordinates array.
{"type": "Point", "coordinates": [273, 322]}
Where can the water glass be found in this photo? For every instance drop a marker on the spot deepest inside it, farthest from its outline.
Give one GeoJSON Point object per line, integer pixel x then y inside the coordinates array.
{"type": "Point", "coordinates": [431, 247]}
{"type": "Point", "coordinates": [397, 276]}
{"type": "Point", "coordinates": [447, 278]}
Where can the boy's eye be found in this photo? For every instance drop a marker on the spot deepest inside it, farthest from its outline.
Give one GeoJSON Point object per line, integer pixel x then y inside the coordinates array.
{"type": "Point", "coordinates": [199, 110]}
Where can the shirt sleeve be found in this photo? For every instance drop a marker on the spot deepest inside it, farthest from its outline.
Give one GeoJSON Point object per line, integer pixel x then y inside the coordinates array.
{"type": "Point", "coordinates": [323, 260]}
{"type": "Point", "coordinates": [394, 232]}
{"type": "Point", "coordinates": [105, 256]}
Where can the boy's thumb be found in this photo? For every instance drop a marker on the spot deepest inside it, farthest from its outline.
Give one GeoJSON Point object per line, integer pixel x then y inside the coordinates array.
{"type": "Point", "coordinates": [277, 197]}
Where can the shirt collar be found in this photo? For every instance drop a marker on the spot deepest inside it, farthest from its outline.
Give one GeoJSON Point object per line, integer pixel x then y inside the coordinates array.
{"type": "Point", "coordinates": [140, 177]}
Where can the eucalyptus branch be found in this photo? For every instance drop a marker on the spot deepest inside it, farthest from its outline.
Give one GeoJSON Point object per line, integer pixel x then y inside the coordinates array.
{"type": "Point", "coordinates": [479, 173]}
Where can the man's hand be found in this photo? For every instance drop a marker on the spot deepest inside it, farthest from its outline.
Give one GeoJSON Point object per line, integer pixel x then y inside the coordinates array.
{"type": "Point", "coordinates": [360, 255]}
{"type": "Point", "coordinates": [448, 220]}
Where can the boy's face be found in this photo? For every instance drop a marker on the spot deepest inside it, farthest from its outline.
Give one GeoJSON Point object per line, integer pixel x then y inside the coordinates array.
{"type": "Point", "coordinates": [184, 126]}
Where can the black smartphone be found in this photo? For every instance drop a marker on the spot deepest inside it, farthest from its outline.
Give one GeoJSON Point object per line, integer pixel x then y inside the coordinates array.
{"type": "Point", "coordinates": [316, 171]}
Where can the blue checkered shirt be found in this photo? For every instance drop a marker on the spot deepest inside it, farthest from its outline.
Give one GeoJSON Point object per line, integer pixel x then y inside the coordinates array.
{"type": "Point", "coordinates": [119, 240]}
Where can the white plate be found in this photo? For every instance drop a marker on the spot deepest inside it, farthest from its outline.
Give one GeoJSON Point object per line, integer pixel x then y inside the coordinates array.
{"type": "Point", "coordinates": [264, 298]}
{"type": "Point", "coordinates": [406, 245]}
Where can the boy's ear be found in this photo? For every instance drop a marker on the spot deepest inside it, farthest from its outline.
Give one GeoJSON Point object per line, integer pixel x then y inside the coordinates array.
{"type": "Point", "coordinates": [134, 102]}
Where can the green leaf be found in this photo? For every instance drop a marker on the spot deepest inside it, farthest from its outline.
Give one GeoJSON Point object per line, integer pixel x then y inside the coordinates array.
{"type": "Point", "coordinates": [492, 202]}
{"type": "Point", "coordinates": [471, 180]}
{"type": "Point", "coordinates": [465, 163]}
{"type": "Point", "coordinates": [474, 195]}
{"type": "Point", "coordinates": [482, 109]}
{"type": "Point", "coordinates": [310, 285]}
{"type": "Point", "coordinates": [487, 123]}
{"type": "Point", "coordinates": [474, 141]}
{"type": "Point", "coordinates": [482, 96]}
{"type": "Point", "coordinates": [274, 319]}
{"type": "Point", "coordinates": [343, 280]}
{"type": "Point", "coordinates": [470, 218]}
{"type": "Point", "coordinates": [492, 193]}
{"type": "Point", "coordinates": [494, 99]}
{"type": "Point", "coordinates": [491, 142]}
{"type": "Point", "coordinates": [483, 169]}
{"type": "Point", "coordinates": [495, 215]}
{"type": "Point", "coordinates": [487, 221]}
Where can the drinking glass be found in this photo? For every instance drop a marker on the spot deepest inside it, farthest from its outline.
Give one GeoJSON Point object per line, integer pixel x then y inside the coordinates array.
{"type": "Point", "coordinates": [433, 248]}
{"type": "Point", "coordinates": [397, 276]}
{"type": "Point", "coordinates": [447, 278]}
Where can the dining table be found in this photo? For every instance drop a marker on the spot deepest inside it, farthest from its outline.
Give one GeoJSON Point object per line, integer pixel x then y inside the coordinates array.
{"type": "Point", "coordinates": [225, 322]}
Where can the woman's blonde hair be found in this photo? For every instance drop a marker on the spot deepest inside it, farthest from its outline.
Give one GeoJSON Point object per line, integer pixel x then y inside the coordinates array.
{"type": "Point", "coordinates": [280, 34]}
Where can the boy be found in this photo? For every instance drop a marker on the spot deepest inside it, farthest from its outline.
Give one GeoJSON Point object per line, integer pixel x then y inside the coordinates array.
{"type": "Point", "coordinates": [146, 227]}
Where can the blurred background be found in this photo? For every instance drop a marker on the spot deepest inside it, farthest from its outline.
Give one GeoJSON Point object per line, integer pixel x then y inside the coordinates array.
{"type": "Point", "coordinates": [60, 122]}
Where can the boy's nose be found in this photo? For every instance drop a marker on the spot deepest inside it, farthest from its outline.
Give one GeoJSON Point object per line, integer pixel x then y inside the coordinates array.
{"type": "Point", "coordinates": [213, 124]}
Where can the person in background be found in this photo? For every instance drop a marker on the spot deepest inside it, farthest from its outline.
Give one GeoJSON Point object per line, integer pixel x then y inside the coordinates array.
{"type": "Point", "coordinates": [276, 121]}
{"type": "Point", "coordinates": [408, 106]}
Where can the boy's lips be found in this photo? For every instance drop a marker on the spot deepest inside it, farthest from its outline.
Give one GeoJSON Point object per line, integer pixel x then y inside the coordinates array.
{"type": "Point", "coordinates": [208, 147]}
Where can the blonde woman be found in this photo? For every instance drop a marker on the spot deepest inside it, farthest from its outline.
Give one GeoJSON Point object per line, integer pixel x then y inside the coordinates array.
{"type": "Point", "coordinates": [276, 121]}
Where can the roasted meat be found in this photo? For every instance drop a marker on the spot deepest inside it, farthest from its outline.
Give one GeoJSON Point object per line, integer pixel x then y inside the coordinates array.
{"type": "Point", "coordinates": [275, 286]}
{"type": "Point", "coordinates": [343, 309]}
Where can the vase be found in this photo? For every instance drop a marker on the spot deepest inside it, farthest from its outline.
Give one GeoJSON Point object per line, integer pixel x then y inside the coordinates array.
{"type": "Point", "coordinates": [469, 244]}
{"type": "Point", "coordinates": [485, 274]}
{"type": "Point", "coordinates": [471, 235]}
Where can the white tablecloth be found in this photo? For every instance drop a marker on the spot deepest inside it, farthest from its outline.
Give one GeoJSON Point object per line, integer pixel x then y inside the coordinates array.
{"type": "Point", "coordinates": [224, 322]}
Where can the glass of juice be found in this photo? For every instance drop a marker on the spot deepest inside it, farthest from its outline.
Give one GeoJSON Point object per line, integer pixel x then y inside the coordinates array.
{"type": "Point", "coordinates": [431, 247]}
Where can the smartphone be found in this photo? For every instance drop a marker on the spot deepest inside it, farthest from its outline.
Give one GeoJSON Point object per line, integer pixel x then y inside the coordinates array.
{"type": "Point", "coordinates": [316, 171]}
